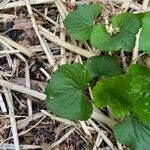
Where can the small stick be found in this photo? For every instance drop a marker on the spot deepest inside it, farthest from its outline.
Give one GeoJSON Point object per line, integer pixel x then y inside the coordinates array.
{"type": "Point", "coordinates": [23, 147]}
{"type": "Point", "coordinates": [62, 138]}
{"type": "Point", "coordinates": [2, 105]}
{"type": "Point", "coordinates": [133, 5]}
{"type": "Point", "coordinates": [22, 3]}
{"type": "Point", "coordinates": [22, 89]}
{"type": "Point", "coordinates": [26, 131]}
{"type": "Point", "coordinates": [28, 85]}
{"type": "Point", "coordinates": [97, 142]}
{"type": "Point", "coordinates": [45, 73]}
{"type": "Point", "coordinates": [62, 50]}
{"type": "Point", "coordinates": [73, 2]}
{"type": "Point", "coordinates": [65, 121]}
{"type": "Point", "coordinates": [62, 7]}
{"type": "Point", "coordinates": [105, 138]}
{"type": "Point", "coordinates": [145, 5]}
{"type": "Point", "coordinates": [37, 48]}
{"type": "Point", "coordinates": [50, 56]}
{"type": "Point", "coordinates": [62, 10]}
{"type": "Point", "coordinates": [85, 129]}
{"type": "Point", "coordinates": [104, 119]}
{"type": "Point", "coordinates": [46, 17]}
{"type": "Point", "coordinates": [14, 44]}
{"type": "Point", "coordinates": [5, 17]}
{"type": "Point", "coordinates": [42, 42]}
{"type": "Point", "coordinates": [8, 97]}
{"type": "Point", "coordinates": [23, 123]}
{"type": "Point", "coordinates": [53, 38]}
{"type": "Point", "coordinates": [136, 48]}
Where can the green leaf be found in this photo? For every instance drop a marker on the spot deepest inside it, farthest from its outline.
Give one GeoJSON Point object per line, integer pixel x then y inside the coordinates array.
{"type": "Point", "coordinates": [126, 93]}
{"type": "Point", "coordinates": [139, 91]}
{"type": "Point", "coordinates": [112, 92]}
{"type": "Point", "coordinates": [99, 66]}
{"type": "Point", "coordinates": [79, 23]}
{"type": "Point", "coordinates": [133, 133]}
{"type": "Point", "coordinates": [145, 34]}
{"type": "Point", "coordinates": [126, 22]}
{"type": "Point", "coordinates": [65, 96]}
{"type": "Point", "coordinates": [136, 69]}
{"type": "Point", "coordinates": [128, 25]}
{"type": "Point", "coordinates": [140, 16]}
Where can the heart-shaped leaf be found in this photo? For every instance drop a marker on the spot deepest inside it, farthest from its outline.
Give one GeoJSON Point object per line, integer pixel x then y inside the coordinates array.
{"type": "Point", "coordinates": [139, 91]}
{"type": "Point", "coordinates": [112, 92]}
{"type": "Point", "coordinates": [125, 27]}
{"type": "Point", "coordinates": [79, 23]}
{"type": "Point", "coordinates": [145, 34]}
{"type": "Point", "coordinates": [102, 66]}
{"type": "Point", "coordinates": [136, 69]}
{"type": "Point", "coordinates": [133, 133]}
{"type": "Point", "coordinates": [140, 94]}
{"type": "Point", "coordinates": [65, 96]}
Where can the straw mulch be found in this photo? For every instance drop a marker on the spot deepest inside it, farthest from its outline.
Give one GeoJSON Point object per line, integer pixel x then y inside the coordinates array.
{"type": "Point", "coordinates": [33, 44]}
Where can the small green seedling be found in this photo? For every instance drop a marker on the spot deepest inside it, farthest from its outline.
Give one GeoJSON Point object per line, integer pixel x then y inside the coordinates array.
{"type": "Point", "coordinates": [81, 24]}
{"type": "Point", "coordinates": [126, 94]}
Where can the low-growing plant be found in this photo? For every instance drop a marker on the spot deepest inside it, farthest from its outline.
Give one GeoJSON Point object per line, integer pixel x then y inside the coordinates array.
{"type": "Point", "coordinates": [126, 94]}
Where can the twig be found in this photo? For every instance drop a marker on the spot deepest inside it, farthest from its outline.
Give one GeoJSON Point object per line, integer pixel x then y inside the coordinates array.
{"type": "Point", "coordinates": [9, 101]}
{"type": "Point", "coordinates": [23, 123]}
{"type": "Point", "coordinates": [105, 138]}
{"type": "Point", "coordinates": [23, 147]}
{"type": "Point", "coordinates": [26, 131]}
{"type": "Point", "coordinates": [42, 42]}
{"type": "Point", "coordinates": [62, 50]}
{"type": "Point", "coordinates": [14, 44]}
{"type": "Point", "coordinates": [34, 83]}
{"type": "Point", "coordinates": [136, 48]}
{"type": "Point", "coordinates": [45, 73]}
{"type": "Point", "coordinates": [22, 89]}
{"type": "Point", "coordinates": [22, 3]}
{"type": "Point", "coordinates": [133, 5]}
{"type": "Point", "coordinates": [53, 38]}
{"type": "Point", "coordinates": [5, 17]}
{"type": "Point", "coordinates": [85, 129]}
{"type": "Point", "coordinates": [104, 119]}
{"type": "Point", "coordinates": [34, 49]}
{"type": "Point", "coordinates": [126, 5]}
{"type": "Point", "coordinates": [62, 10]}
{"type": "Point", "coordinates": [145, 5]}
{"type": "Point", "coordinates": [62, 138]}
{"type": "Point", "coordinates": [2, 105]}
{"type": "Point", "coordinates": [46, 17]}
{"type": "Point", "coordinates": [65, 121]}
{"type": "Point", "coordinates": [50, 55]}
{"type": "Point", "coordinates": [73, 2]}
{"type": "Point", "coordinates": [98, 141]}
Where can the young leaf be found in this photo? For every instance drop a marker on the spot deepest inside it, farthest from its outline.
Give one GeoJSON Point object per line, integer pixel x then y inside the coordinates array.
{"type": "Point", "coordinates": [139, 91]}
{"type": "Point", "coordinates": [99, 66]}
{"type": "Point", "coordinates": [112, 92]}
{"type": "Point", "coordinates": [136, 69]}
{"type": "Point", "coordinates": [64, 93]}
{"type": "Point", "coordinates": [125, 27]}
{"type": "Point", "coordinates": [133, 133]}
{"type": "Point", "coordinates": [140, 16]}
{"type": "Point", "coordinates": [79, 23]}
{"type": "Point", "coordinates": [145, 34]}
